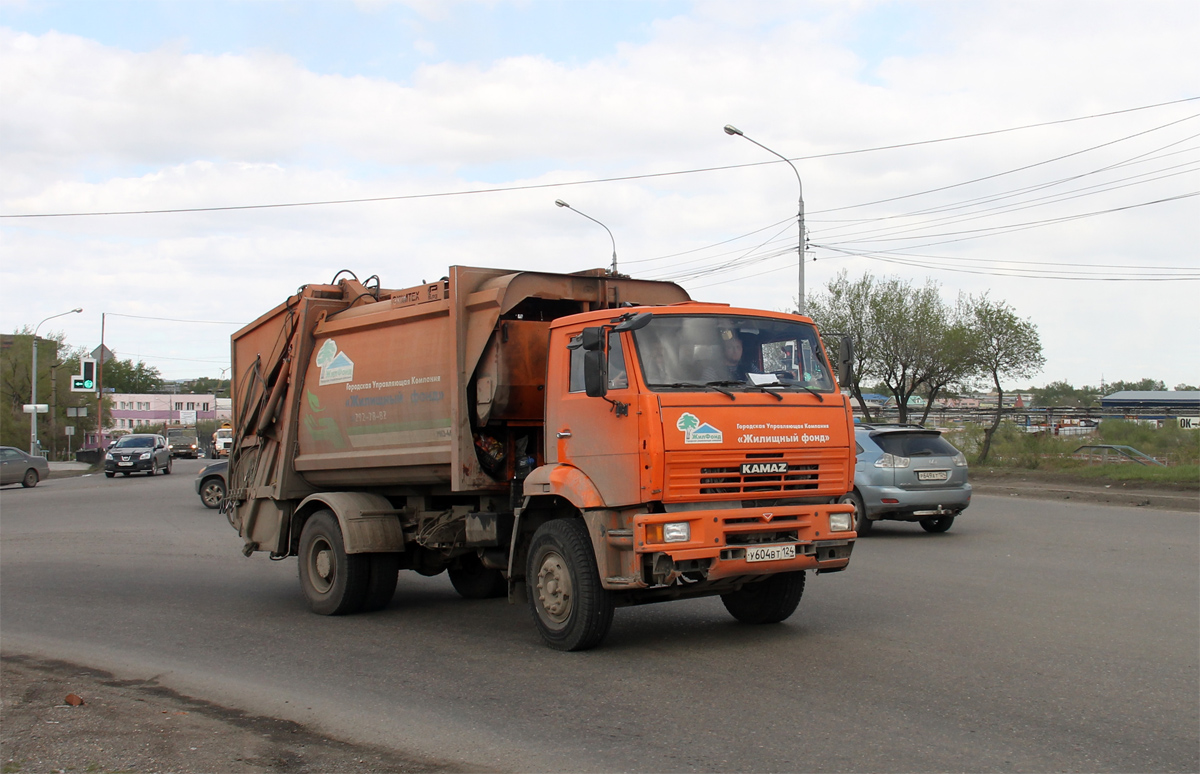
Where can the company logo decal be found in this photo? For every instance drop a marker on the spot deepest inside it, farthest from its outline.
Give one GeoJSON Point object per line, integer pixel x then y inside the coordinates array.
{"type": "Point", "coordinates": [335, 366]}
{"type": "Point", "coordinates": [694, 431]}
{"type": "Point", "coordinates": [754, 468]}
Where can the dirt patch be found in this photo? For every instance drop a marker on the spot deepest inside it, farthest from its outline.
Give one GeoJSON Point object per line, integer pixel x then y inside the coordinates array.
{"type": "Point", "coordinates": [138, 725]}
{"type": "Point", "coordinates": [1047, 485]}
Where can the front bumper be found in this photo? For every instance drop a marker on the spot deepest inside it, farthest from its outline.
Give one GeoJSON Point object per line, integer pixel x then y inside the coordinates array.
{"type": "Point", "coordinates": [133, 466]}
{"type": "Point", "coordinates": [719, 539]}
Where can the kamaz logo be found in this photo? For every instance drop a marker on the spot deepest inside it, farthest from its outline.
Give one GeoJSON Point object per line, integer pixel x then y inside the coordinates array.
{"type": "Point", "coordinates": [754, 468]}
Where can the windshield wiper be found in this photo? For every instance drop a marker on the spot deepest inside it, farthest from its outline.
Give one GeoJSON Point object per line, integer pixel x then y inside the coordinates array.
{"type": "Point", "coordinates": [694, 386]}
{"type": "Point", "coordinates": [763, 388]}
{"type": "Point", "coordinates": [720, 384]}
{"type": "Point", "coordinates": [790, 382]}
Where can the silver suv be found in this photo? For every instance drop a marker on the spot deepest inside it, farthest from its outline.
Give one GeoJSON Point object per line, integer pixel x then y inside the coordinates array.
{"type": "Point", "coordinates": [907, 473]}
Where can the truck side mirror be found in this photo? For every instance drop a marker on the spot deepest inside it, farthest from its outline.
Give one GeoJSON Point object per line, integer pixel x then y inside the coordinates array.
{"type": "Point", "coordinates": [592, 339]}
{"type": "Point", "coordinates": [846, 361]}
{"type": "Point", "coordinates": [595, 372]}
{"type": "Point", "coordinates": [636, 322]}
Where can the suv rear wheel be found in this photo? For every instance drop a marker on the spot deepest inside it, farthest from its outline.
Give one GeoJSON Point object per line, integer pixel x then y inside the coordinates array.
{"type": "Point", "coordinates": [938, 524]}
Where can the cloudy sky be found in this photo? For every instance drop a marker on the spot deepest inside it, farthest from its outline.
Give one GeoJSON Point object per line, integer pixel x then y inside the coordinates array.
{"type": "Point", "coordinates": [1045, 152]}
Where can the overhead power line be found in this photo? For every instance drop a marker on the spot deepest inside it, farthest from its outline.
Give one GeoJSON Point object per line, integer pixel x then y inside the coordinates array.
{"type": "Point", "coordinates": [537, 186]}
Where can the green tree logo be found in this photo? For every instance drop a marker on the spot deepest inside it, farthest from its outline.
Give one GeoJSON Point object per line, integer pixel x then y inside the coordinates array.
{"type": "Point", "coordinates": [687, 423]}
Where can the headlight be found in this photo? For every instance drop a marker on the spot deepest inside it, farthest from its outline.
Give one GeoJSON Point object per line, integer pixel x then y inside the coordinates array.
{"type": "Point", "coordinates": [108, 455]}
{"type": "Point", "coordinates": [675, 532]}
{"type": "Point", "coordinates": [840, 522]}
{"type": "Point", "coordinates": [145, 455]}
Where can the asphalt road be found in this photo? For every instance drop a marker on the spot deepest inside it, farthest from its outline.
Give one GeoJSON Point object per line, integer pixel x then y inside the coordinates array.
{"type": "Point", "coordinates": [1034, 636]}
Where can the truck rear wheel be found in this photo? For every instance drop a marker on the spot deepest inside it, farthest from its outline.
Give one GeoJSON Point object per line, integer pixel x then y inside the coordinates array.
{"type": "Point", "coordinates": [381, 580]}
{"type": "Point", "coordinates": [334, 582]}
{"type": "Point", "coordinates": [571, 609]}
{"type": "Point", "coordinates": [474, 581]}
{"type": "Point", "coordinates": [768, 601]}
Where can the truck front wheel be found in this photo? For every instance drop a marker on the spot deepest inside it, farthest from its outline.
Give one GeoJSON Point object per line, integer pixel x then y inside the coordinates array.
{"type": "Point", "coordinates": [571, 609]}
{"type": "Point", "coordinates": [334, 582]}
{"type": "Point", "coordinates": [768, 601]}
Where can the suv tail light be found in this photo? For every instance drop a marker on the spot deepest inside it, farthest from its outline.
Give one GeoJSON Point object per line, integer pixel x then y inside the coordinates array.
{"type": "Point", "coordinates": [892, 461]}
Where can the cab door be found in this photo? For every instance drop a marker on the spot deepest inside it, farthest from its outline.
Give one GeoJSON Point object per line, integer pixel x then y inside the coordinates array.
{"type": "Point", "coordinates": [598, 436]}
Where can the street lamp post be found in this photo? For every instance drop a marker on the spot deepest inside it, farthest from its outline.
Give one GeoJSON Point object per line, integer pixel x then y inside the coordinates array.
{"type": "Point", "coordinates": [33, 439]}
{"type": "Point", "coordinates": [802, 307]}
{"type": "Point", "coordinates": [561, 203]}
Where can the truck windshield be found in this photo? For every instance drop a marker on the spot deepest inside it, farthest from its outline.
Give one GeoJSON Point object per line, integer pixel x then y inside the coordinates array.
{"type": "Point", "coordinates": [729, 351]}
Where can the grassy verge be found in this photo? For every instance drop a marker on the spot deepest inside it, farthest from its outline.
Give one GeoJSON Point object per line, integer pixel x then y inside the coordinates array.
{"type": "Point", "coordinates": [1013, 450]}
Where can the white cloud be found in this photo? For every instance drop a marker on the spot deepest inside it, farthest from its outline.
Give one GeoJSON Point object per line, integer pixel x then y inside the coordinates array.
{"type": "Point", "coordinates": [90, 127]}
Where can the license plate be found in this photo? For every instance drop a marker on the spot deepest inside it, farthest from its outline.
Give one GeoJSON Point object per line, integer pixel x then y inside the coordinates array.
{"type": "Point", "coordinates": [770, 553]}
{"type": "Point", "coordinates": [124, 463]}
{"type": "Point", "coordinates": [933, 475]}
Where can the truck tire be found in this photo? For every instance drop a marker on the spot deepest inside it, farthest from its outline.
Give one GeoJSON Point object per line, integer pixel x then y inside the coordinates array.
{"type": "Point", "coordinates": [768, 601]}
{"type": "Point", "coordinates": [382, 573]}
{"type": "Point", "coordinates": [937, 524]}
{"type": "Point", "coordinates": [862, 525]}
{"type": "Point", "coordinates": [571, 610]}
{"type": "Point", "coordinates": [334, 582]}
{"type": "Point", "coordinates": [474, 581]}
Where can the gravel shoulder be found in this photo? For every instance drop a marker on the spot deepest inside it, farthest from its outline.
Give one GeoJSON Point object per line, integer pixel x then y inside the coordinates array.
{"type": "Point", "coordinates": [136, 725]}
{"type": "Point", "coordinates": [1058, 486]}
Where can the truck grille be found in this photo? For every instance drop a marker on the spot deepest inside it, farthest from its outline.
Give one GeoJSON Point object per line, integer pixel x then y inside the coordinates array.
{"type": "Point", "coordinates": [718, 475]}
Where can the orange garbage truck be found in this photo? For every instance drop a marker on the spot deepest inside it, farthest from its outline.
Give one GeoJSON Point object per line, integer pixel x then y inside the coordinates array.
{"type": "Point", "coordinates": [578, 442]}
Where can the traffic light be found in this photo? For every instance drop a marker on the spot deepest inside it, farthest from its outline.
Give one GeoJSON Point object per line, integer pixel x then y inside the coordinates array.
{"type": "Point", "coordinates": [86, 380]}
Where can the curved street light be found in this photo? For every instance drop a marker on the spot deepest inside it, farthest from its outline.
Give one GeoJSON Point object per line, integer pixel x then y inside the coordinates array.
{"type": "Point", "coordinates": [33, 439]}
{"type": "Point", "coordinates": [561, 203]}
{"type": "Point", "coordinates": [802, 307]}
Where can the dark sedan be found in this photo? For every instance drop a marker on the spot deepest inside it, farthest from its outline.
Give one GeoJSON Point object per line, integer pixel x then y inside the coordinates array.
{"type": "Point", "coordinates": [17, 467]}
{"type": "Point", "coordinates": [138, 453]}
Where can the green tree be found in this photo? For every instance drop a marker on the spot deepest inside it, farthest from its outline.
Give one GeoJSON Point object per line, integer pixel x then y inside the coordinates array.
{"type": "Point", "coordinates": [844, 309]}
{"type": "Point", "coordinates": [1007, 347]}
{"type": "Point", "coordinates": [126, 376]}
{"type": "Point", "coordinates": [1142, 385]}
{"type": "Point", "coordinates": [57, 362]}
{"type": "Point", "coordinates": [905, 337]}
{"type": "Point", "coordinates": [952, 362]}
{"type": "Point", "coordinates": [205, 385]}
{"type": "Point", "coordinates": [1186, 387]}
{"type": "Point", "coordinates": [1061, 393]}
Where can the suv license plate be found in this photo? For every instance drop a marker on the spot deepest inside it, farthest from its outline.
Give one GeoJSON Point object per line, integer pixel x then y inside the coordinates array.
{"type": "Point", "coordinates": [933, 475]}
{"type": "Point", "coordinates": [770, 553]}
{"type": "Point", "coordinates": [124, 463]}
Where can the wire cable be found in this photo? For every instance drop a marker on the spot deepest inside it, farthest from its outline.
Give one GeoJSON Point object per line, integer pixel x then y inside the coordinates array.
{"type": "Point", "coordinates": [537, 186]}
